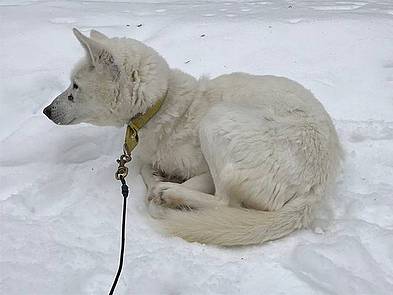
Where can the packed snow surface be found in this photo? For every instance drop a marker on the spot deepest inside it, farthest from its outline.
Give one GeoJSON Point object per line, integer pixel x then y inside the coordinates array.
{"type": "Point", "coordinates": [60, 204]}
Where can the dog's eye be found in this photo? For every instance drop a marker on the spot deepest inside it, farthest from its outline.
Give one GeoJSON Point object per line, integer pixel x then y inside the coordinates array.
{"type": "Point", "coordinates": [70, 97]}
{"type": "Point", "coordinates": [75, 86]}
{"type": "Point", "coordinates": [134, 76]}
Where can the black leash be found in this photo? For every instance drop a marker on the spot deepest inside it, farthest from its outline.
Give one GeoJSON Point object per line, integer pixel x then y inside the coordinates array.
{"type": "Point", "coordinates": [130, 142]}
{"type": "Point", "coordinates": [124, 192]}
{"type": "Point", "coordinates": [121, 173]}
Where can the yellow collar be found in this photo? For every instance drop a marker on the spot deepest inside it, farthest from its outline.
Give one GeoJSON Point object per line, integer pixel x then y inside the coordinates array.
{"type": "Point", "coordinates": [136, 123]}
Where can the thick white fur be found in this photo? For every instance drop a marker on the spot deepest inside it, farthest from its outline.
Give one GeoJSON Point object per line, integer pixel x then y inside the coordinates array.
{"type": "Point", "coordinates": [236, 160]}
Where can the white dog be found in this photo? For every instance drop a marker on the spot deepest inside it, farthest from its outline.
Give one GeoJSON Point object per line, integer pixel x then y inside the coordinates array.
{"type": "Point", "coordinates": [236, 160]}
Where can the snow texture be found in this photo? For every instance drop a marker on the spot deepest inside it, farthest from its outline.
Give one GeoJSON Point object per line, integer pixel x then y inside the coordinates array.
{"type": "Point", "coordinates": [60, 204]}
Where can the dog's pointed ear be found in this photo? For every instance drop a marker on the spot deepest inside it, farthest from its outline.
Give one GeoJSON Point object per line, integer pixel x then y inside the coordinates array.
{"type": "Point", "coordinates": [97, 53]}
{"type": "Point", "coordinates": [92, 47]}
{"type": "Point", "coordinates": [97, 35]}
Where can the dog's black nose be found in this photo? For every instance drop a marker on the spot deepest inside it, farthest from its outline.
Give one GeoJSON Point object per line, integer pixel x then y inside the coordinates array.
{"type": "Point", "coordinates": [47, 111]}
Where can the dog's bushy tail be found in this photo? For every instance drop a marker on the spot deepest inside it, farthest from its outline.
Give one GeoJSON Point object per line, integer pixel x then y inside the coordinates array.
{"type": "Point", "coordinates": [227, 226]}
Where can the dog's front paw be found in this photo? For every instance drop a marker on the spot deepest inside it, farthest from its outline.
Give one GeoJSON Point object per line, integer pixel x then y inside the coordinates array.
{"type": "Point", "coordinates": [166, 194]}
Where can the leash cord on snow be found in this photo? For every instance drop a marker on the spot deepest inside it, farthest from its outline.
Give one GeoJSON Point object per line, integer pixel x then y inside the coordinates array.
{"type": "Point", "coordinates": [124, 192]}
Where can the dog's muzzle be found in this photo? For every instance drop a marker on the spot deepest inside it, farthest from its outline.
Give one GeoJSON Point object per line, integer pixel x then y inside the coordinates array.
{"type": "Point", "coordinates": [47, 111]}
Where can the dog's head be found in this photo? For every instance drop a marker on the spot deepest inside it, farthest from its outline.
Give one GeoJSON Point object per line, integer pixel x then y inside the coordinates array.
{"type": "Point", "coordinates": [117, 79]}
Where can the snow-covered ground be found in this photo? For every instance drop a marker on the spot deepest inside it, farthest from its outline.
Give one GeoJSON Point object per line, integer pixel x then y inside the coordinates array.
{"type": "Point", "coordinates": [60, 205]}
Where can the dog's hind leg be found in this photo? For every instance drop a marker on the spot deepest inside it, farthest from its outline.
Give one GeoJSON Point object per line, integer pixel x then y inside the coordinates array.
{"type": "Point", "coordinates": [196, 192]}
{"type": "Point", "coordinates": [176, 195]}
{"type": "Point", "coordinates": [201, 183]}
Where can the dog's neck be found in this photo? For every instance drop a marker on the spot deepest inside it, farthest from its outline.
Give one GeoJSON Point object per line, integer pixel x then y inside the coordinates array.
{"type": "Point", "coordinates": [136, 123]}
{"type": "Point", "coordinates": [174, 106]}
{"type": "Point", "coordinates": [141, 119]}
{"type": "Point", "coordinates": [175, 102]}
